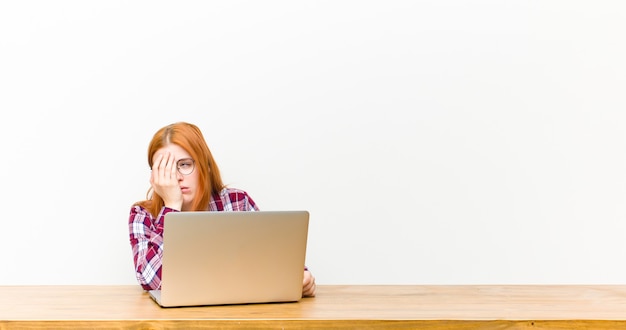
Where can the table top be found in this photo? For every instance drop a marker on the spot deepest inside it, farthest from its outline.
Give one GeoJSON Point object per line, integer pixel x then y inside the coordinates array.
{"type": "Point", "coordinates": [332, 303]}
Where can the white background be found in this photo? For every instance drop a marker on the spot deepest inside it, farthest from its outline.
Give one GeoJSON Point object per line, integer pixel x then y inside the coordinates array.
{"type": "Point", "coordinates": [433, 142]}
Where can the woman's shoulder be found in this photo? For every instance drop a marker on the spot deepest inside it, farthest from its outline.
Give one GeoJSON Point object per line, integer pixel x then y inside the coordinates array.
{"type": "Point", "coordinates": [141, 205]}
{"type": "Point", "coordinates": [232, 195]}
{"type": "Point", "coordinates": [226, 191]}
{"type": "Point", "coordinates": [236, 199]}
{"type": "Point", "coordinates": [138, 208]}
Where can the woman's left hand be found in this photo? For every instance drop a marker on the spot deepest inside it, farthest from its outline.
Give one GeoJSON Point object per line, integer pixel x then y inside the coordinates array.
{"type": "Point", "coordinates": [308, 285]}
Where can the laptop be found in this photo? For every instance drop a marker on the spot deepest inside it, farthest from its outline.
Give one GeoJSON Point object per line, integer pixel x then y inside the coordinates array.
{"type": "Point", "coordinates": [232, 257]}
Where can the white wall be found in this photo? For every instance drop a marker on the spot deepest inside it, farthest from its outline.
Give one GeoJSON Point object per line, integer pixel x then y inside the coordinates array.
{"type": "Point", "coordinates": [443, 141]}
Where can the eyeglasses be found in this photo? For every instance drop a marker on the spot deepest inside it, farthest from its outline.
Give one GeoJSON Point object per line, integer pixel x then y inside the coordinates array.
{"type": "Point", "coordinates": [185, 166]}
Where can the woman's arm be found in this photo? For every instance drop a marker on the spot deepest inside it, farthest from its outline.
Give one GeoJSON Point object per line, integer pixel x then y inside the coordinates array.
{"type": "Point", "coordinates": [146, 240]}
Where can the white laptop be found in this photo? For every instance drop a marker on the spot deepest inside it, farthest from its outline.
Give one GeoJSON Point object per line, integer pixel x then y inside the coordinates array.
{"type": "Point", "coordinates": [221, 258]}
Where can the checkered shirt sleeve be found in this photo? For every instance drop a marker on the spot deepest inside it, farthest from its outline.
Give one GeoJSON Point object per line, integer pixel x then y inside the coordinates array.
{"type": "Point", "coordinates": [146, 239]}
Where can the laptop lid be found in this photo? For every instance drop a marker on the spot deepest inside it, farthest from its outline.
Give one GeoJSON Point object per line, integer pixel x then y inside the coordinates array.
{"type": "Point", "coordinates": [218, 258]}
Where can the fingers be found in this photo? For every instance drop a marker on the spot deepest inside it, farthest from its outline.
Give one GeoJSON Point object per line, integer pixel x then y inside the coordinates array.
{"type": "Point", "coordinates": [308, 285]}
{"type": "Point", "coordinates": [165, 180]}
{"type": "Point", "coordinates": [163, 168]}
{"type": "Point", "coordinates": [154, 175]}
{"type": "Point", "coordinates": [309, 291]}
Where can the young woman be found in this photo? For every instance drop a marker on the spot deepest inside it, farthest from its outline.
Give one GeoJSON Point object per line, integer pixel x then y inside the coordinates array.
{"type": "Point", "coordinates": [184, 177]}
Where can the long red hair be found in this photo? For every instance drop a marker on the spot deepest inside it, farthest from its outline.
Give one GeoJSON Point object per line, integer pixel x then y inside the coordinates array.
{"type": "Point", "coordinates": [189, 137]}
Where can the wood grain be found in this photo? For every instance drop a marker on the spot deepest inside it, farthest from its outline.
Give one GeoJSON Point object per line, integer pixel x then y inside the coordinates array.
{"type": "Point", "coordinates": [336, 306]}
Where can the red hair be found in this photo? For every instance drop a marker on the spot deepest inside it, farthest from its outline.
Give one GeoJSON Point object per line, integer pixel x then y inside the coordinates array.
{"type": "Point", "coordinates": [190, 138]}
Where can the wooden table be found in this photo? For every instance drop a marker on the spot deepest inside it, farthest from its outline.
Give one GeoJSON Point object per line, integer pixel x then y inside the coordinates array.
{"type": "Point", "coordinates": [336, 306]}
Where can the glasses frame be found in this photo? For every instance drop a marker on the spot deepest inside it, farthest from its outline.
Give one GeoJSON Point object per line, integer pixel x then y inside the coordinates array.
{"type": "Point", "coordinates": [193, 165]}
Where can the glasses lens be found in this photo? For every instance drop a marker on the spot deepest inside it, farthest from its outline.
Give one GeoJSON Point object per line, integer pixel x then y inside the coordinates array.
{"type": "Point", "coordinates": [186, 166]}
